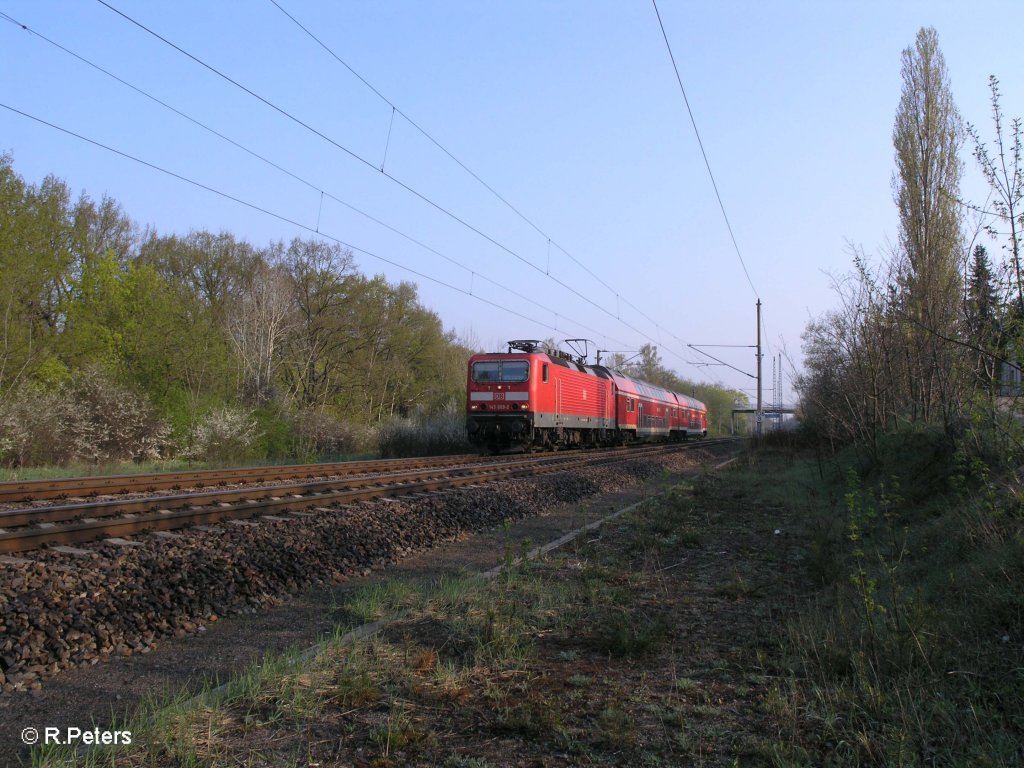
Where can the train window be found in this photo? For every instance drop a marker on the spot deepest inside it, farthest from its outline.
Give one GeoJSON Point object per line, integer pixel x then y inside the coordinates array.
{"type": "Point", "coordinates": [485, 371]}
{"type": "Point", "coordinates": [545, 370]}
{"type": "Point", "coordinates": [501, 370]}
{"type": "Point", "coordinates": [515, 370]}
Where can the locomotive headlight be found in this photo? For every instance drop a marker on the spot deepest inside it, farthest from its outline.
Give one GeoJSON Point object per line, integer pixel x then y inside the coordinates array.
{"type": "Point", "coordinates": [474, 407]}
{"type": "Point", "coordinates": [523, 406]}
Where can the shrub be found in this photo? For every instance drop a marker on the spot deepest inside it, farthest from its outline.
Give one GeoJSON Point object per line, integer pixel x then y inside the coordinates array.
{"type": "Point", "coordinates": [425, 434]}
{"type": "Point", "coordinates": [319, 434]}
{"type": "Point", "coordinates": [113, 422]}
{"type": "Point", "coordinates": [90, 418]}
{"type": "Point", "coordinates": [31, 429]}
{"type": "Point", "coordinates": [224, 435]}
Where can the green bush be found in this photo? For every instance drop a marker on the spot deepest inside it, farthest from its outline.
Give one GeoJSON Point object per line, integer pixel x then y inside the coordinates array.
{"type": "Point", "coordinates": [920, 552]}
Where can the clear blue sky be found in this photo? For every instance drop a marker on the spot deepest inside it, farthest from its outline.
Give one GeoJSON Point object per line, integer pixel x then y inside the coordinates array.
{"type": "Point", "coordinates": [569, 110]}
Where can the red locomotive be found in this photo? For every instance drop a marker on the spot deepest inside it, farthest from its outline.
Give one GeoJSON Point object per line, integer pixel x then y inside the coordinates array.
{"type": "Point", "coordinates": [532, 397]}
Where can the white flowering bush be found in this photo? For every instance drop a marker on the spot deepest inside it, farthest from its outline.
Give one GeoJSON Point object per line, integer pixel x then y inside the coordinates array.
{"type": "Point", "coordinates": [223, 436]}
{"type": "Point", "coordinates": [91, 418]}
{"type": "Point", "coordinates": [319, 435]}
{"type": "Point", "coordinates": [425, 434]}
{"type": "Point", "coordinates": [113, 423]}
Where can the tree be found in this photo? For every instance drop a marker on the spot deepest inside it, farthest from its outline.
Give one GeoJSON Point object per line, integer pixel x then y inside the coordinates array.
{"type": "Point", "coordinates": [983, 316]}
{"type": "Point", "coordinates": [36, 257]}
{"type": "Point", "coordinates": [1005, 176]}
{"type": "Point", "coordinates": [101, 229]}
{"type": "Point", "coordinates": [321, 339]}
{"type": "Point", "coordinates": [193, 324]}
{"type": "Point", "coordinates": [212, 268]}
{"type": "Point", "coordinates": [261, 319]}
{"type": "Point", "coordinates": [124, 320]}
{"type": "Point", "coordinates": [981, 311]}
{"type": "Point", "coordinates": [17, 342]}
{"type": "Point", "coordinates": [927, 136]}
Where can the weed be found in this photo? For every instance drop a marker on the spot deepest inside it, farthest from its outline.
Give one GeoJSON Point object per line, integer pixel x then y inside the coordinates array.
{"type": "Point", "coordinates": [616, 726]}
{"type": "Point", "coordinates": [737, 588]}
{"type": "Point", "coordinates": [396, 733]}
{"type": "Point", "coordinates": [622, 632]}
{"type": "Point", "coordinates": [681, 684]}
{"type": "Point", "coordinates": [457, 761]}
{"type": "Point", "coordinates": [376, 600]}
{"type": "Point", "coordinates": [914, 587]}
{"type": "Point", "coordinates": [891, 653]}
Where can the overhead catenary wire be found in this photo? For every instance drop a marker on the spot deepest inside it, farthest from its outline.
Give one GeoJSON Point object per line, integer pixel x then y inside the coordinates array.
{"type": "Point", "coordinates": [707, 164]}
{"type": "Point", "coordinates": [396, 110]}
{"type": "Point", "coordinates": [436, 143]}
{"type": "Point", "coordinates": [322, 192]}
{"type": "Point", "coordinates": [279, 217]}
{"type": "Point", "coordinates": [285, 113]}
{"type": "Point", "coordinates": [721, 362]}
{"type": "Point", "coordinates": [703, 152]}
{"type": "Point", "coordinates": [550, 241]}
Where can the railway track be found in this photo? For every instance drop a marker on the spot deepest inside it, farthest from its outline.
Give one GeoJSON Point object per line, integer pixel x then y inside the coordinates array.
{"type": "Point", "coordinates": [76, 487]}
{"type": "Point", "coordinates": [27, 528]}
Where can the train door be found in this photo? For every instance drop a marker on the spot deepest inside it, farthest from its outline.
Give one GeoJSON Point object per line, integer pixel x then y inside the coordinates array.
{"type": "Point", "coordinates": [640, 415]}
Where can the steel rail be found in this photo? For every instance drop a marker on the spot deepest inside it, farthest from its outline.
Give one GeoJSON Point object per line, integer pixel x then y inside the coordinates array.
{"type": "Point", "coordinates": [163, 519]}
{"type": "Point", "coordinates": [57, 513]}
{"type": "Point", "coordinates": [29, 490]}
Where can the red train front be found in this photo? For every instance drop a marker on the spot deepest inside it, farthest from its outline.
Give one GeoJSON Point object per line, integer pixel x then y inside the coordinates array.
{"type": "Point", "coordinates": [529, 397]}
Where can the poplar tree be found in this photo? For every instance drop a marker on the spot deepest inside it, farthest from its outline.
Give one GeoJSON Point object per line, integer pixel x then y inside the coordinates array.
{"type": "Point", "coordinates": [927, 136]}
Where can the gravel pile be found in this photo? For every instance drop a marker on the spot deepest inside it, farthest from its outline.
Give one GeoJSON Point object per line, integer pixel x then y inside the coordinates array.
{"type": "Point", "coordinates": [62, 610]}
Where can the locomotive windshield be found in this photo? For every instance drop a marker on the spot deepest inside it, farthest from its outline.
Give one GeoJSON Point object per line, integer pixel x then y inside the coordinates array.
{"type": "Point", "coordinates": [501, 370]}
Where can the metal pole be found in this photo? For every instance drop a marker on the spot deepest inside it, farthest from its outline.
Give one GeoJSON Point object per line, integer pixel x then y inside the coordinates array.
{"type": "Point", "coordinates": [778, 391]}
{"type": "Point", "coordinates": [759, 415]}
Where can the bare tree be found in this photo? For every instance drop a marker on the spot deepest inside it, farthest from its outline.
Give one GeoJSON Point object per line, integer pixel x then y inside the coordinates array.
{"type": "Point", "coordinates": [1003, 172]}
{"type": "Point", "coordinates": [261, 319]}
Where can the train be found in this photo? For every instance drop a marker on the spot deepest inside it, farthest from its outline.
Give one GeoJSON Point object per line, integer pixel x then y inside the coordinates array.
{"type": "Point", "coordinates": [534, 397]}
